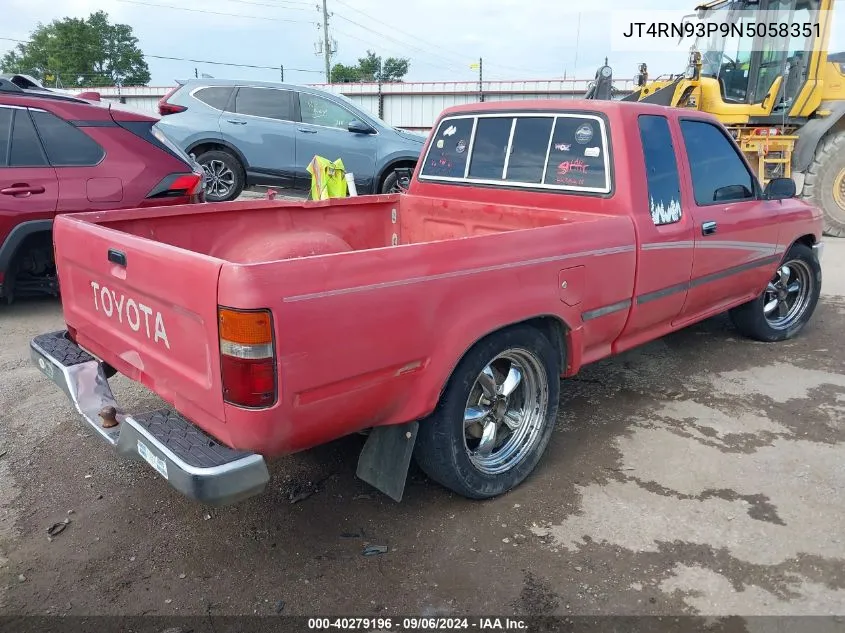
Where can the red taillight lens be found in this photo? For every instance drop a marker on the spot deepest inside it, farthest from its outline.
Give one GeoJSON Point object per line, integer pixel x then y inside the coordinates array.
{"type": "Point", "coordinates": [191, 183]}
{"type": "Point", "coordinates": [248, 382]}
{"type": "Point", "coordinates": [177, 186]}
{"type": "Point", "coordinates": [247, 357]}
{"type": "Point", "coordinates": [169, 108]}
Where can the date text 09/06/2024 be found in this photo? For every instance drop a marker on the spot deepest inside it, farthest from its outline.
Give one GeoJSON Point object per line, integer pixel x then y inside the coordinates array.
{"type": "Point", "coordinates": [709, 29]}
{"type": "Point", "coordinates": [418, 624]}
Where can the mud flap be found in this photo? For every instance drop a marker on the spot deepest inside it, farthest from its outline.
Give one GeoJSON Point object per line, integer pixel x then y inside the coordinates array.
{"type": "Point", "coordinates": [386, 456]}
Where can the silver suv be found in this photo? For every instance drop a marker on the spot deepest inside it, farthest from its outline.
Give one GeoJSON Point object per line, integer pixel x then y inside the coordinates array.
{"type": "Point", "coordinates": [261, 133]}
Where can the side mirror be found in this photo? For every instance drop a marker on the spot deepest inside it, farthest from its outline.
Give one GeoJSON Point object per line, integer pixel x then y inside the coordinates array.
{"type": "Point", "coordinates": [732, 192]}
{"type": "Point", "coordinates": [360, 128]}
{"type": "Point", "coordinates": [779, 189]}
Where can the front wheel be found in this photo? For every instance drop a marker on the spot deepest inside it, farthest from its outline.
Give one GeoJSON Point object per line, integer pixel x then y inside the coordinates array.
{"type": "Point", "coordinates": [396, 181]}
{"type": "Point", "coordinates": [495, 417]}
{"type": "Point", "coordinates": [789, 300]}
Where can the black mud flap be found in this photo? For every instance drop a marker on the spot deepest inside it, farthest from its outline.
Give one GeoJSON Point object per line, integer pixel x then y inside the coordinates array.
{"type": "Point", "coordinates": [386, 456]}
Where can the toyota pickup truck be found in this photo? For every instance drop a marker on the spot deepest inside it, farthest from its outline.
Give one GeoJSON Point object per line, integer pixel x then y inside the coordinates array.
{"type": "Point", "coordinates": [535, 237]}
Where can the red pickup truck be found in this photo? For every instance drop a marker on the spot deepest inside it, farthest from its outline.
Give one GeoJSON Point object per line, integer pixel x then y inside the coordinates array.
{"type": "Point", "coordinates": [535, 237]}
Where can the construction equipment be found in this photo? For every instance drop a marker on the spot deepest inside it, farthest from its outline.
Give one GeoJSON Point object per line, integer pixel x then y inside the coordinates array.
{"type": "Point", "coordinates": [782, 97]}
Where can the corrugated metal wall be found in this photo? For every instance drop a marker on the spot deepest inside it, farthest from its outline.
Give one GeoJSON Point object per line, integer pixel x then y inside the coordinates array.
{"type": "Point", "coordinates": [411, 105]}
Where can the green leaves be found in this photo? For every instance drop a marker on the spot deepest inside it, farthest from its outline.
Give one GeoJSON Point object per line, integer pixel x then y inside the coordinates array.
{"type": "Point", "coordinates": [372, 69]}
{"type": "Point", "coordinates": [76, 53]}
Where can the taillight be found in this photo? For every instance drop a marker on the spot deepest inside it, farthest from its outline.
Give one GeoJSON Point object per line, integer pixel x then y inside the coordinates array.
{"type": "Point", "coordinates": [178, 186]}
{"type": "Point", "coordinates": [169, 108]}
{"type": "Point", "coordinates": [247, 357]}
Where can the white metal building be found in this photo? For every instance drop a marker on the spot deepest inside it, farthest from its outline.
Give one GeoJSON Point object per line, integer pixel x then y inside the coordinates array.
{"type": "Point", "coordinates": [411, 105]}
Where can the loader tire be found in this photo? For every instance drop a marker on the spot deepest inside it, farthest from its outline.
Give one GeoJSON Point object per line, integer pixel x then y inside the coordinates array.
{"type": "Point", "coordinates": [824, 185]}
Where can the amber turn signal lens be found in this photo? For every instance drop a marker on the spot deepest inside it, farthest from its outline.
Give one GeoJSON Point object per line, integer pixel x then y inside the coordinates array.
{"type": "Point", "coordinates": [246, 328]}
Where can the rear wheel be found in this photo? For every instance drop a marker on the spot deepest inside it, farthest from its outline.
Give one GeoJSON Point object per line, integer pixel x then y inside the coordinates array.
{"type": "Point", "coordinates": [824, 185]}
{"type": "Point", "coordinates": [224, 176]}
{"type": "Point", "coordinates": [495, 417]}
{"type": "Point", "coordinates": [787, 303]}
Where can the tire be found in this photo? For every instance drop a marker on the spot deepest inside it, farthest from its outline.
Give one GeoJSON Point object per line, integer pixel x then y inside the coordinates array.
{"type": "Point", "coordinates": [824, 185]}
{"type": "Point", "coordinates": [445, 453]}
{"type": "Point", "coordinates": [758, 320]}
{"type": "Point", "coordinates": [394, 184]}
{"type": "Point", "coordinates": [229, 174]}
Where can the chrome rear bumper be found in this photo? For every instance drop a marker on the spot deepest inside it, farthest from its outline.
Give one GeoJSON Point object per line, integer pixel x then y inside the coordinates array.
{"type": "Point", "coordinates": [189, 459]}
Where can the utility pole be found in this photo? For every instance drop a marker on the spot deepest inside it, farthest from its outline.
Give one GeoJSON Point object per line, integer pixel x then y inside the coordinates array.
{"type": "Point", "coordinates": [282, 73]}
{"type": "Point", "coordinates": [327, 46]}
{"type": "Point", "coordinates": [480, 80]}
{"type": "Point", "coordinates": [196, 72]}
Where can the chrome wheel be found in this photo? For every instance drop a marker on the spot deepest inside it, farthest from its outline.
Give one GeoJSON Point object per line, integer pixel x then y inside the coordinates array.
{"type": "Point", "coordinates": [788, 295]}
{"type": "Point", "coordinates": [505, 411]}
{"type": "Point", "coordinates": [219, 179]}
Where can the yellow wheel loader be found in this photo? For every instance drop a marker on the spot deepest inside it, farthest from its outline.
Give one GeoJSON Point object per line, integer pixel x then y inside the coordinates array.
{"type": "Point", "coordinates": [781, 95]}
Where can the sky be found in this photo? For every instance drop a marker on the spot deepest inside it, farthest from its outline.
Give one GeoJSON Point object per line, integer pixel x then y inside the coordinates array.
{"type": "Point", "coordinates": [517, 39]}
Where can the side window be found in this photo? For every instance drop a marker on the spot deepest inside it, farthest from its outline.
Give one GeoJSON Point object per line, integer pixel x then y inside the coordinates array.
{"type": "Point", "coordinates": [528, 150]}
{"type": "Point", "coordinates": [718, 172]}
{"type": "Point", "coordinates": [490, 148]}
{"type": "Point", "coordinates": [664, 186]}
{"type": "Point", "coordinates": [215, 96]}
{"type": "Point", "coordinates": [318, 111]}
{"type": "Point", "coordinates": [265, 102]}
{"type": "Point", "coordinates": [25, 149]}
{"type": "Point", "coordinates": [66, 145]}
{"type": "Point", "coordinates": [447, 156]}
{"type": "Point", "coordinates": [577, 155]}
{"type": "Point", "coordinates": [5, 134]}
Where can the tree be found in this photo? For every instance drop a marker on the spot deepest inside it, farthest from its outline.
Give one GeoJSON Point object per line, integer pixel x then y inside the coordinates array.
{"type": "Point", "coordinates": [372, 69]}
{"type": "Point", "coordinates": [76, 53]}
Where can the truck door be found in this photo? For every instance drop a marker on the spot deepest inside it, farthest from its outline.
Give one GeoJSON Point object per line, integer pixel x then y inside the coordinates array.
{"type": "Point", "coordinates": [736, 231]}
{"type": "Point", "coordinates": [665, 229]}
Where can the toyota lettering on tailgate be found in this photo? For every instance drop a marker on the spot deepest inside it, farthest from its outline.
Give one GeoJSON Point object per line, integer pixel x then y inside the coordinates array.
{"type": "Point", "coordinates": [127, 310]}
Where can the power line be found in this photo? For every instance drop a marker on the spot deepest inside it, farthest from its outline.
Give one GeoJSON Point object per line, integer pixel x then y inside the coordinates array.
{"type": "Point", "coordinates": [366, 28]}
{"type": "Point", "coordinates": [231, 15]}
{"type": "Point", "coordinates": [426, 42]}
{"type": "Point", "coordinates": [276, 6]}
{"type": "Point", "coordinates": [186, 59]}
{"type": "Point", "coordinates": [369, 42]}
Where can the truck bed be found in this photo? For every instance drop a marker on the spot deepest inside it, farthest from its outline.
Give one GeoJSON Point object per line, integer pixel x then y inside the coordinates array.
{"type": "Point", "coordinates": [142, 289]}
{"type": "Point", "coordinates": [260, 231]}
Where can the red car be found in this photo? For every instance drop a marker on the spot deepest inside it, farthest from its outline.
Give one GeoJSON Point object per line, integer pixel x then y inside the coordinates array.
{"type": "Point", "coordinates": [60, 154]}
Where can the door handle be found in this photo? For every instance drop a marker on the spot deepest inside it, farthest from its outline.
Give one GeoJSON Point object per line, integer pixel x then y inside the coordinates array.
{"type": "Point", "coordinates": [236, 122]}
{"type": "Point", "coordinates": [21, 190]}
{"type": "Point", "coordinates": [307, 131]}
{"type": "Point", "coordinates": [708, 228]}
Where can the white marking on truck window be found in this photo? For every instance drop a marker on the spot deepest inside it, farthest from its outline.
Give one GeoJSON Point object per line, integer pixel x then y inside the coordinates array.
{"type": "Point", "coordinates": [110, 299]}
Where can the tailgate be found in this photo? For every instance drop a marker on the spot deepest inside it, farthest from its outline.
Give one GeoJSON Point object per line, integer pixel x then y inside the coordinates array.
{"type": "Point", "coordinates": [147, 308]}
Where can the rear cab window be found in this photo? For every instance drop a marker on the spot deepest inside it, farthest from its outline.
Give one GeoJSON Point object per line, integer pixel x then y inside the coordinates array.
{"type": "Point", "coordinates": [558, 151]}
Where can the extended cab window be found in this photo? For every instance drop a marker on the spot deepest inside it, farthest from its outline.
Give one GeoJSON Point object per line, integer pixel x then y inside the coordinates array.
{"type": "Point", "coordinates": [664, 185]}
{"type": "Point", "coordinates": [718, 172]}
{"type": "Point", "coordinates": [66, 145]}
{"type": "Point", "coordinates": [265, 102]}
{"type": "Point", "coordinates": [528, 150]}
{"type": "Point", "coordinates": [490, 148]}
{"type": "Point", "coordinates": [447, 155]}
{"type": "Point", "coordinates": [577, 156]}
{"type": "Point", "coordinates": [25, 149]}
{"type": "Point", "coordinates": [532, 150]}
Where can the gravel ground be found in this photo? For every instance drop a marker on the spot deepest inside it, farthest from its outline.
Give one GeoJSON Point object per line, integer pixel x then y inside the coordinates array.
{"type": "Point", "coordinates": [699, 474]}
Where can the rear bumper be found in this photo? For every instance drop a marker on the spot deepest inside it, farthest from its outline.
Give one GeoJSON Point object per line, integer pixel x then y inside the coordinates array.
{"type": "Point", "coordinates": [189, 459]}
